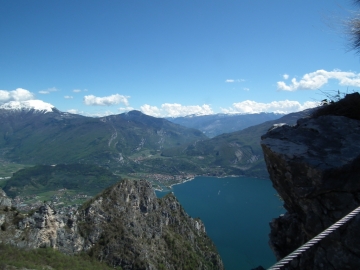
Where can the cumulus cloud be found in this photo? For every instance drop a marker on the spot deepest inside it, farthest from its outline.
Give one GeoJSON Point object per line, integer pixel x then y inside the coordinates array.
{"type": "Point", "coordinates": [284, 106]}
{"type": "Point", "coordinates": [176, 110]}
{"type": "Point", "coordinates": [286, 76]}
{"type": "Point", "coordinates": [18, 94]}
{"type": "Point", "coordinates": [47, 91]}
{"type": "Point", "coordinates": [246, 89]}
{"type": "Point", "coordinates": [106, 101]}
{"type": "Point", "coordinates": [68, 97]}
{"type": "Point", "coordinates": [151, 110]}
{"type": "Point", "coordinates": [315, 80]}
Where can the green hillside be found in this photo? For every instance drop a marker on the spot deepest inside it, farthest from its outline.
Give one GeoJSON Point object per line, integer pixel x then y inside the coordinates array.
{"type": "Point", "coordinates": [116, 141]}
{"type": "Point", "coordinates": [133, 143]}
{"type": "Point", "coordinates": [237, 153]}
{"type": "Point", "coordinates": [61, 184]}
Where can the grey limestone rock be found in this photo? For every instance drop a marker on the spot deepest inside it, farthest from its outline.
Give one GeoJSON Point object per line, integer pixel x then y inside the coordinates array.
{"type": "Point", "coordinates": [4, 200]}
{"type": "Point", "coordinates": [131, 227]}
{"type": "Point", "coordinates": [126, 225]}
{"type": "Point", "coordinates": [315, 167]}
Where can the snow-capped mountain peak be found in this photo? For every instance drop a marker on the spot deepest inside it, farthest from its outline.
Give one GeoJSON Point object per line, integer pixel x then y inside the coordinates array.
{"type": "Point", "coordinates": [28, 105]}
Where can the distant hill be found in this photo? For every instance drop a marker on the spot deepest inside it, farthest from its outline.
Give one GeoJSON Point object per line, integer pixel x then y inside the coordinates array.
{"type": "Point", "coordinates": [237, 153]}
{"type": "Point", "coordinates": [133, 143]}
{"type": "Point", "coordinates": [216, 124]}
{"type": "Point", "coordinates": [31, 136]}
{"type": "Point", "coordinates": [79, 178]}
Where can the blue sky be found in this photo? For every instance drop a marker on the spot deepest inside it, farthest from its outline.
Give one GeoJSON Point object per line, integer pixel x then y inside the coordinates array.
{"type": "Point", "coordinates": [172, 58]}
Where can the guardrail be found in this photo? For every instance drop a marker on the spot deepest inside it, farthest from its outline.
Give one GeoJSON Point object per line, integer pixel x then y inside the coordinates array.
{"type": "Point", "coordinates": [314, 240]}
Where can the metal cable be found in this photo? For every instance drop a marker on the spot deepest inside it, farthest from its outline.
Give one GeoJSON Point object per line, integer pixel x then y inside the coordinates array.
{"type": "Point", "coordinates": [314, 240]}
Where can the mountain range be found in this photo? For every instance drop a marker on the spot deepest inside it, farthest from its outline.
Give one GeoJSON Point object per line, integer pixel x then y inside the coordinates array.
{"type": "Point", "coordinates": [237, 153]}
{"type": "Point", "coordinates": [133, 142]}
{"type": "Point", "coordinates": [217, 124]}
{"type": "Point", "coordinates": [32, 136]}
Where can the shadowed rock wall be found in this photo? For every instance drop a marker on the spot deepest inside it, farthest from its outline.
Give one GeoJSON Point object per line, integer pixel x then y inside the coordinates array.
{"type": "Point", "coordinates": [315, 167]}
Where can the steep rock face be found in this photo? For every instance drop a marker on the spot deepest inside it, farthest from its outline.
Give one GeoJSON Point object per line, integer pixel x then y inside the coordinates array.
{"type": "Point", "coordinates": [315, 167]}
{"type": "Point", "coordinates": [4, 200]}
{"type": "Point", "coordinates": [126, 225]}
{"type": "Point", "coordinates": [130, 227]}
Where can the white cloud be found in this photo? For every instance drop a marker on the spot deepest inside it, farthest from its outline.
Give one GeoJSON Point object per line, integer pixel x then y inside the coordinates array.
{"type": "Point", "coordinates": [246, 89]}
{"type": "Point", "coordinates": [74, 111]}
{"type": "Point", "coordinates": [47, 91]}
{"type": "Point", "coordinates": [286, 76]}
{"type": "Point", "coordinates": [126, 109]}
{"type": "Point", "coordinates": [68, 97]}
{"type": "Point", "coordinates": [284, 106]}
{"type": "Point", "coordinates": [19, 94]}
{"type": "Point", "coordinates": [232, 80]}
{"type": "Point", "coordinates": [79, 90]}
{"type": "Point", "coordinates": [151, 110]}
{"type": "Point", "coordinates": [176, 110]}
{"type": "Point", "coordinates": [315, 80]}
{"type": "Point", "coordinates": [106, 101]}
{"type": "Point", "coordinates": [4, 96]}
{"type": "Point", "coordinates": [92, 114]}
{"type": "Point", "coordinates": [100, 113]}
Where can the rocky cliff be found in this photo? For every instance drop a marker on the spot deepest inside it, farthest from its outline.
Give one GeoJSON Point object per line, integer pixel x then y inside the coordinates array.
{"type": "Point", "coordinates": [315, 167]}
{"type": "Point", "coordinates": [125, 225]}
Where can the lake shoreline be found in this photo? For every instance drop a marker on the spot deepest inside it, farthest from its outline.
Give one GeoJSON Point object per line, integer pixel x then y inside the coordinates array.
{"type": "Point", "coordinates": [209, 176]}
{"type": "Point", "coordinates": [236, 219]}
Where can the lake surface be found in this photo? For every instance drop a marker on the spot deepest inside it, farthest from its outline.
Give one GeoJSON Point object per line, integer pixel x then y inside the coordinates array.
{"type": "Point", "coordinates": [236, 212]}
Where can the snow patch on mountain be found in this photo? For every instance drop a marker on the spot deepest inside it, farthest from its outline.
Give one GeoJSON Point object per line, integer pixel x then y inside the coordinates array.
{"type": "Point", "coordinates": [37, 105]}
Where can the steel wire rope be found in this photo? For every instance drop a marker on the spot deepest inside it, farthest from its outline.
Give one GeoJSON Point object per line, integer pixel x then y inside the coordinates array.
{"type": "Point", "coordinates": [314, 240]}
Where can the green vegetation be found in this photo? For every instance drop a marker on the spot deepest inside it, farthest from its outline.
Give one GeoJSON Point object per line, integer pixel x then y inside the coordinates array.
{"type": "Point", "coordinates": [183, 254]}
{"type": "Point", "coordinates": [127, 144]}
{"type": "Point", "coordinates": [349, 106]}
{"type": "Point", "coordinates": [119, 240]}
{"type": "Point", "coordinates": [217, 124]}
{"type": "Point", "coordinates": [131, 143]}
{"type": "Point", "coordinates": [44, 258]}
{"type": "Point", "coordinates": [90, 179]}
{"type": "Point", "coordinates": [236, 153]}
{"type": "Point", "coordinates": [3, 183]}
{"type": "Point", "coordinates": [61, 185]}
{"type": "Point", "coordinates": [115, 141]}
{"type": "Point", "coordinates": [7, 169]}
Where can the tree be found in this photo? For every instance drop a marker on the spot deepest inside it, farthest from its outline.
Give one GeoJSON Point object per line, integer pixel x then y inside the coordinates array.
{"type": "Point", "coordinates": [355, 30]}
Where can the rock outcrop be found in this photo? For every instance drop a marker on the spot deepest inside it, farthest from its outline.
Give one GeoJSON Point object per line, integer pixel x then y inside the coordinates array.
{"type": "Point", "coordinates": [125, 225]}
{"type": "Point", "coordinates": [315, 167]}
{"type": "Point", "coordinates": [4, 200]}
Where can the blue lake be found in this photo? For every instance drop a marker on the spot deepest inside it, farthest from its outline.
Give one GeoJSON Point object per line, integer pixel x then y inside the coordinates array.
{"type": "Point", "coordinates": [236, 212]}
